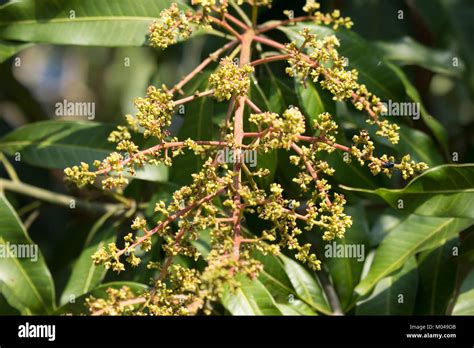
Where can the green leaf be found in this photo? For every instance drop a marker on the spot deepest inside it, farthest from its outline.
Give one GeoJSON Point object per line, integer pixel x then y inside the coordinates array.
{"type": "Point", "coordinates": [414, 234]}
{"type": "Point", "coordinates": [444, 191]}
{"type": "Point", "coordinates": [314, 101]}
{"type": "Point", "coordinates": [465, 302]}
{"type": "Point", "coordinates": [8, 49]}
{"type": "Point", "coordinates": [78, 306]}
{"type": "Point", "coordinates": [306, 286]}
{"type": "Point", "coordinates": [274, 278]}
{"type": "Point", "coordinates": [346, 270]}
{"type": "Point", "coordinates": [420, 146]}
{"type": "Point", "coordinates": [407, 51]}
{"type": "Point", "coordinates": [437, 273]}
{"type": "Point", "coordinates": [81, 22]}
{"type": "Point", "coordinates": [85, 276]}
{"type": "Point", "coordinates": [28, 280]}
{"type": "Point", "coordinates": [5, 307]}
{"type": "Point", "coordinates": [250, 298]}
{"type": "Point", "coordinates": [394, 295]}
{"type": "Point", "coordinates": [61, 144]}
{"type": "Point", "coordinates": [57, 144]}
{"type": "Point", "coordinates": [384, 224]}
{"type": "Point", "coordinates": [435, 126]}
{"type": "Point", "coordinates": [373, 70]}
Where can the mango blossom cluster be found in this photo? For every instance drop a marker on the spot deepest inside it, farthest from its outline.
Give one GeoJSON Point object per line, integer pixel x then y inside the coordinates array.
{"type": "Point", "coordinates": [221, 195]}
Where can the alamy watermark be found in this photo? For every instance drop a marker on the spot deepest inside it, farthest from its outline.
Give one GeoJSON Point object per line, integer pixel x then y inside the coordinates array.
{"type": "Point", "coordinates": [229, 156]}
{"type": "Point", "coordinates": [70, 109]}
{"type": "Point", "coordinates": [19, 251]}
{"type": "Point", "coordinates": [406, 109]}
{"type": "Point", "coordinates": [352, 251]}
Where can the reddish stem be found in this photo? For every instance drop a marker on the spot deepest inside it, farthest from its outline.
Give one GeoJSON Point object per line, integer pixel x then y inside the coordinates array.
{"type": "Point", "coordinates": [212, 57]}
{"type": "Point", "coordinates": [226, 26]}
{"type": "Point", "coordinates": [236, 21]}
{"type": "Point", "coordinates": [270, 59]}
{"type": "Point", "coordinates": [252, 105]}
{"type": "Point", "coordinates": [159, 147]}
{"type": "Point", "coordinates": [311, 171]}
{"type": "Point", "coordinates": [194, 97]}
{"type": "Point", "coordinates": [171, 218]}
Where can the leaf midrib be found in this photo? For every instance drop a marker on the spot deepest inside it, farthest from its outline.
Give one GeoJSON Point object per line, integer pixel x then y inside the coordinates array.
{"type": "Point", "coordinates": [79, 20]}
{"type": "Point", "coordinates": [395, 265]}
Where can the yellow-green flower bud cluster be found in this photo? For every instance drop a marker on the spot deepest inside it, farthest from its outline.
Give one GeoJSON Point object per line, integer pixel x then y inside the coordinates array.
{"type": "Point", "coordinates": [281, 131]}
{"type": "Point", "coordinates": [323, 59]}
{"type": "Point", "coordinates": [174, 25]}
{"type": "Point", "coordinates": [334, 18]}
{"type": "Point", "coordinates": [80, 175]}
{"type": "Point", "coordinates": [363, 150]}
{"type": "Point", "coordinates": [107, 256]}
{"type": "Point", "coordinates": [155, 112]}
{"type": "Point", "coordinates": [267, 3]}
{"type": "Point", "coordinates": [230, 80]}
{"type": "Point", "coordinates": [208, 6]}
{"type": "Point", "coordinates": [409, 167]}
{"type": "Point", "coordinates": [114, 304]}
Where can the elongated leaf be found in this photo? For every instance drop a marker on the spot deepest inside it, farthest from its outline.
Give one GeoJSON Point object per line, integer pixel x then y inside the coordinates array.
{"type": "Point", "coordinates": [346, 269]}
{"type": "Point", "coordinates": [56, 144]}
{"type": "Point", "coordinates": [436, 127]}
{"type": "Point", "coordinates": [306, 286]}
{"type": "Point", "coordinates": [5, 307]}
{"type": "Point", "coordinates": [437, 272]}
{"type": "Point", "coordinates": [60, 144]}
{"type": "Point", "coordinates": [407, 51]}
{"type": "Point", "coordinates": [29, 282]}
{"type": "Point", "coordinates": [385, 223]}
{"type": "Point", "coordinates": [451, 21]}
{"type": "Point", "coordinates": [81, 22]}
{"type": "Point", "coordinates": [250, 298]}
{"type": "Point", "coordinates": [414, 234]}
{"type": "Point", "coordinates": [78, 306]}
{"type": "Point", "coordinates": [465, 301]}
{"type": "Point", "coordinates": [8, 49]}
{"type": "Point", "coordinates": [444, 191]}
{"type": "Point", "coordinates": [85, 275]}
{"type": "Point", "coordinates": [394, 295]}
{"type": "Point", "coordinates": [275, 279]}
{"type": "Point", "coordinates": [314, 101]}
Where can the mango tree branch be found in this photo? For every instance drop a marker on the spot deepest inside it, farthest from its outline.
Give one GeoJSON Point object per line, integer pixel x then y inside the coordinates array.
{"type": "Point", "coordinates": [270, 59]}
{"type": "Point", "coordinates": [241, 13]}
{"type": "Point", "coordinates": [9, 168]}
{"type": "Point", "coordinates": [153, 149]}
{"type": "Point", "coordinates": [194, 97]}
{"type": "Point", "coordinates": [311, 171]}
{"type": "Point", "coordinates": [245, 56]}
{"type": "Point", "coordinates": [226, 26]}
{"type": "Point", "coordinates": [171, 218]}
{"type": "Point", "coordinates": [236, 21]}
{"type": "Point", "coordinates": [60, 199]}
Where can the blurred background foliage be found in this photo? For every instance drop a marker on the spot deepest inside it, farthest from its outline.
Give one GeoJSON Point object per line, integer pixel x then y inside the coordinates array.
{"type": "Point", "coordinates": [430, 40]}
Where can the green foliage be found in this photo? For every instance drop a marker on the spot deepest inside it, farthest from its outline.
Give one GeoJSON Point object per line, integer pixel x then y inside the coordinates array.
{"type": "Point", "coordinates": [26, 282]}
{"type": "Point", "coordinates": [415, 234]}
